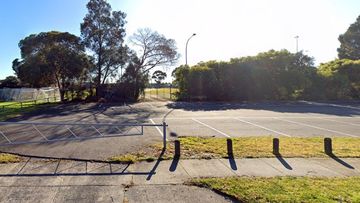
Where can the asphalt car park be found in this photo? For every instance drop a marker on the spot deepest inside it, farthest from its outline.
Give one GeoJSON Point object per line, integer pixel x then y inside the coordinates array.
{"type": "Point", "coordinates": [290, 119]}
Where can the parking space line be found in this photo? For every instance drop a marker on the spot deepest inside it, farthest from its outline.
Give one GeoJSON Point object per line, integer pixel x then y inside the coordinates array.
{"type": "Point", "coordinates": [212, 128]}
{"type": "Point", "coordinates": [231, 117]}
{"type": "Point", "coordinates": [157, 128]}
{"type": "Point", "coordinates": [347, 123]}
{"type": "Point", "coordinates": [316, 127]}
{"type": "Point", "coordinates": [262, 127]}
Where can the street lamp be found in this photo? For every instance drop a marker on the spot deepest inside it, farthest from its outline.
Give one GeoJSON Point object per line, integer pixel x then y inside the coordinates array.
{"type": "Point", "coordinates": [297, 43]}
{"type": "Point", "coordinates": [186, 47]}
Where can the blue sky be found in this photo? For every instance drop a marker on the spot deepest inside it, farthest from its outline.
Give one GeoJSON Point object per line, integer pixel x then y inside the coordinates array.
{"type": "Point", "coordinates": [225, 28]}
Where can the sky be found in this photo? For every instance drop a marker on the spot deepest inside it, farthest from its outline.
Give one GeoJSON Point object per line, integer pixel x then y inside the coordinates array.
{"type": "Point", "coordinates": [224, 28]}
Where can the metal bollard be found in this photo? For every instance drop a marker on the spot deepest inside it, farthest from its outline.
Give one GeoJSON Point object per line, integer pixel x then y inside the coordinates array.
{"type": "Point", "coordinates": [164, 135]}
{"type": "Point", "coordinates": [276, 146]}
{"type": "Point", "coordinates": [177, 149]}
{"type": "Point", "coordinates": [229, 145]}
{"type": "Point", "coordinates": [328, 145]}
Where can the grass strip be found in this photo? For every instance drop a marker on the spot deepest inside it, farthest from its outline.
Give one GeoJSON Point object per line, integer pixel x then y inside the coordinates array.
{"type": "Point", "coordinates": [14, 109]}
{"type": "Point", "coordinates": [9, 158]}
{"type": "Point", "coordinates": [285, 189]}
{"type": "Point", "coordinates": [246, 147]}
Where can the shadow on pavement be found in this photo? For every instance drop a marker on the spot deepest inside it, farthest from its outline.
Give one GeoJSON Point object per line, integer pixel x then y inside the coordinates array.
{"type": "Point", "coordinates": [230, 153]}
{"type": "Point", "coordinates": [174, 164]}
{"type": "Point", "coordinates": [152, 172]}
{"type": "Point", "coordinates": [283, 161]}
{"type": "Point", "coordinates": [340, 161]}
{"type": "Point", "coordinates": [50, 167]}
{"type": "Point", "coordinates": [283, 107]}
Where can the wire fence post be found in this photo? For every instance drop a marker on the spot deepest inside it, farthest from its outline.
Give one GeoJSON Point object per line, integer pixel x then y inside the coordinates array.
{"type": "Point", "coordinates": [170, 92]}
{"type": "Point", "coordinates": [164, 135]}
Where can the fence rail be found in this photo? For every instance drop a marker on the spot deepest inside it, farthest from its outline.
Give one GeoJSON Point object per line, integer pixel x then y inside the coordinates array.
{"type": "Point", "coordinates": [10, 134]}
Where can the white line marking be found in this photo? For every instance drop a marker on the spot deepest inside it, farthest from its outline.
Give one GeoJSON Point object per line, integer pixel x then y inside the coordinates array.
{"type": "Point", "coordinates": [252, 117]}
{"type": "Point", "coordinates": [157, 128]}
{"type": "Point", "coordinates": [316, 127]}
{"type": "Point", "coordinates": [326, 119]}
{"type": "Point", "coordinates": [206, 125]}
{"type": "Point", "coordinates": [265, 128]}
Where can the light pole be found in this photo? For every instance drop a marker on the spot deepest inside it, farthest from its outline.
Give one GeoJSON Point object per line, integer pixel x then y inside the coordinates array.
{"type": "Point", "coordinates": [186, 47]}
{"type": "Point", "coordinates": [297, 43]}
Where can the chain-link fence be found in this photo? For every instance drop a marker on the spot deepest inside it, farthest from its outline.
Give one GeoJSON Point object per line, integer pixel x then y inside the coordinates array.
{"type": "Point", "coordinates": [47, 94]}
{"type": "Point", "coordinates": [164, 93]}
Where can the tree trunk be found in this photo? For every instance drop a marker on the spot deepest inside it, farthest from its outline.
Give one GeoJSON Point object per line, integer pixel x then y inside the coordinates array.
{"type": "Point", "coordinates": [62, 94]}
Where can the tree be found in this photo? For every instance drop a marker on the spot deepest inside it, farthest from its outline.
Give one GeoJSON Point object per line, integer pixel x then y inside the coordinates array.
{"type": "Point", "coordinates": [271, 75]}
{"type": "Point", "coordinates": [133, 82]}
{"type": "Point", "coordinates": [159, 76]}
{"type": "Point", "coordinates": [103, 33]}
{"type": "Point", "coordinates": [342, 78]}
{"type": "Point", "coordinates": [9, 81]}
{"type": "Point", "coordinates": [350, 42]}
{"type": "Point", "coordinates": [153, 49]}
{"type": "Point", "coordinates": [52, 58]}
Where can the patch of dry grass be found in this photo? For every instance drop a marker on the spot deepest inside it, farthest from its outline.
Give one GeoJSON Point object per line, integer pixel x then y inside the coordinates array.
{"type": "Point", "coordinates": [9, 158]}
{"type": "Point", "coordinates": [246, 147]}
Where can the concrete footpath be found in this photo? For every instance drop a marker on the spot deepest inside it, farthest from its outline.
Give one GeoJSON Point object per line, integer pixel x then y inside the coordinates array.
{"type": "Point", "coordinates": [40, 180]}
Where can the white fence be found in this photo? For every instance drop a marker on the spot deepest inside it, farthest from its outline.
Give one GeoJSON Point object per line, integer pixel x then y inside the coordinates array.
{"type": "Point", "coordinates": [30, 94]}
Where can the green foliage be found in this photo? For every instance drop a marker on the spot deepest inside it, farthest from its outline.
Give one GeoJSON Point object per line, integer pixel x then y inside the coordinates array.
{"type": "Point", "coordinates": [341, 78]}
{"type": "Point", "coordinates": [272, 75]}
{"type": "Point", "coordinates": [132, 83]}
{"type": "Point", "coordinates": [103, 33]}
{"type": "Point", "coordinates": [350, 42]}
{"type": "Point", "coordinates": [10, 82]}
{"type": "Point", "coordinates": [13, 109]}
{"type": "Point", "coordinates": [52, 58]}
{"type": "Point", "coordinates": [158, 76]}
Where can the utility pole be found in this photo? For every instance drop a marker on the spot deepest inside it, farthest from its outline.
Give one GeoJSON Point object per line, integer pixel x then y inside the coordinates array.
{"type": "Point", "coordinates": [297, 43]}
{"type": "Point", "coordinates": [187, 46]}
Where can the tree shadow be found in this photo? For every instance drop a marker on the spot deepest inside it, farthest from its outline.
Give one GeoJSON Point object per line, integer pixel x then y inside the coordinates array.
{"type": "Point", "coordinates": [326, 108]}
